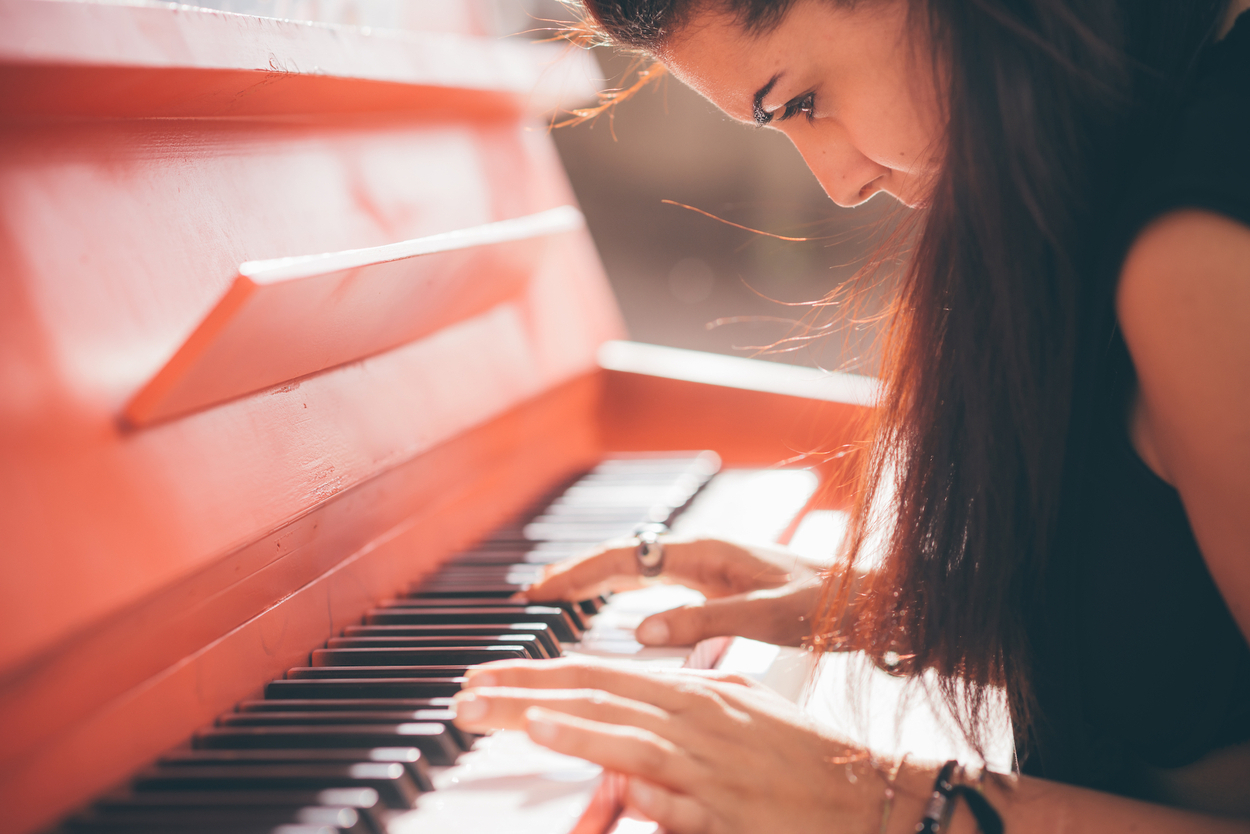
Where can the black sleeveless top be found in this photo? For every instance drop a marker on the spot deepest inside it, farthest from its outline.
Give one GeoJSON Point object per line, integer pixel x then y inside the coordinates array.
{"type": "Point", "coordinates": [1137, 662]}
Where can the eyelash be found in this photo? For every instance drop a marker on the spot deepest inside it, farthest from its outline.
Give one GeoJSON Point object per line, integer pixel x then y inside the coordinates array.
{"type": "Point", "coordinates": [805, 103]}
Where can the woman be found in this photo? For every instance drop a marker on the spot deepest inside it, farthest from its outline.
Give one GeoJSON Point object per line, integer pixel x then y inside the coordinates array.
{"type": "Point", "coordinates": [1062, 449]}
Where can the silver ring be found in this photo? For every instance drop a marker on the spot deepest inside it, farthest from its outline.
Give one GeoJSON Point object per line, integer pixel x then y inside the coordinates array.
{"type": "Point", "coordinates": [649, 554]}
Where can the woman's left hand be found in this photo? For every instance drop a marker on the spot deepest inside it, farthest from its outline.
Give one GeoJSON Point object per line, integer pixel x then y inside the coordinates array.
{"type": "Point", "coordinates": [704, 751]}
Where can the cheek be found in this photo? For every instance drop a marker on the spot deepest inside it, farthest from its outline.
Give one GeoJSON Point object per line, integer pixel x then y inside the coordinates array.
{"type": "Point", "coordinates": [827, 152]}
{"type": "Point", "coordinates": [841, 168]}
{"type": "Point", "coordinates": [889, 124]}
{"type": "Point", "coordinates": [891, 139]}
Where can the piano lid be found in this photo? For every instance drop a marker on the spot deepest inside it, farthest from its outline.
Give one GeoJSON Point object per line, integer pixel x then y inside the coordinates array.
{"type": "Point", "coordinates": [163, 60]}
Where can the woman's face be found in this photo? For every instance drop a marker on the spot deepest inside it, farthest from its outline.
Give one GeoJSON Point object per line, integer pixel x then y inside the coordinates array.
{"type": "Point", "coordinates": [848, 86]}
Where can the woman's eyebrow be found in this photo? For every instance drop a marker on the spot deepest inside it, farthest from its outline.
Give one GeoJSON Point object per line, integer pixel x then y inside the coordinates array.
{"type": "Point", "coordinates": [762, 116]}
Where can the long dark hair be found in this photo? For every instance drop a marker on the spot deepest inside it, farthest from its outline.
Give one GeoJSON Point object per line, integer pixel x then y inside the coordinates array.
{"type": "Point", "coordinates": [1044, 99]}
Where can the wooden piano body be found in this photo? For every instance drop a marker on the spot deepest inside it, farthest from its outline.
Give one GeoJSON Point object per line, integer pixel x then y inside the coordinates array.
{"type": "Point", "coordinates": [197, 490]}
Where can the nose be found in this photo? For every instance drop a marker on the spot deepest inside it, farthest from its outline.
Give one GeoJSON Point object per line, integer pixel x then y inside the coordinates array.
{"type": "Point", "coordinates": [848, 177]}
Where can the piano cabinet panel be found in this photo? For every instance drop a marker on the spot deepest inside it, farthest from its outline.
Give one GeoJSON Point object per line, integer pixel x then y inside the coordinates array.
{"type": "Point", "coordinates": [117, 239]}
{"type": "Point", "coordinates": [160, 213]}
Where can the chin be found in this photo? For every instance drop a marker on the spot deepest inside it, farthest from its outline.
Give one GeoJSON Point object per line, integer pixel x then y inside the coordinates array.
{"type": "Point", "coordinates": [908, 201]}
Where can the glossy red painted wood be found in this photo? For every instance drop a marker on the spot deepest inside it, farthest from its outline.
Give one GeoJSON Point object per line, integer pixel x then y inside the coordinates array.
{"type": "Point", "coordinates": [287, 318]}
{"type": "Point", "coordinates": [111, 253]}
{"type": "Point", "coordinates": [84, 59]}
{"type": "Point", "coordinates": [137, 683]}
{"type": "Point", "coordinates": [116, 237]}
{"type": "Point", "coordinates": [746, 427]}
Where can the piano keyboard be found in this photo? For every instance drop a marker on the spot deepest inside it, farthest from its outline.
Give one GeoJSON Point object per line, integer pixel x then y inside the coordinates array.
{"type": "Point", "coordinates": [363, 733]}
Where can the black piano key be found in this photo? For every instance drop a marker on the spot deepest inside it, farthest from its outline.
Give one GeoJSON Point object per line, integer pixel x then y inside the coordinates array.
{"type": "Point", "coordinates": [445, 717]}
{"type": "Point", "coordinates": [226, 820]}
{"type": "Point", "coordinates": [557, 618]}
{"type": "Point", "coordinates": [409, 757]}
{"type": "Point", "coordinates": [432, 739]}
{"type": "Point", "coordinates": [507, 558]}
{"type": "Point", "coordinates": [540, 630]}
{"type": "Point", "coordinates": [528, 643]}
{"type": "Point", "coordinates": [562, 548]}
{"type": "Point", "coordinates": [416, 600]}
{"type": "Point", "coordinates": [516, 578]}
{"type": "Point", "coordinates": [89, 827]}
{"type": "Point", "coordinates": [394, 672]}
{"type": "Point", "coordinates": [450, 592]}
{"type": "Point", "coordinates": [365, 799]}
{"type": "Point", "coordinates": [594, 605]}
{"type": "Point", "coordinates": [490, 573]}
{"type": "Point", "coordinates": [364, 688]}
{"type": "Point", "coordinates": [438, 656]}
{"type": "Point", "coordinates": [276, 717]}
{"type": "Point", "coordinates": [395, 787]}
{"type": "Point", "coordinates": [346, 704]}
{"type": "Point", "coordinates": [454, 590]}
{"type": "Point", "coordinates": [480, 586]}
{"type": "Point", "coordinates": [620, 515]}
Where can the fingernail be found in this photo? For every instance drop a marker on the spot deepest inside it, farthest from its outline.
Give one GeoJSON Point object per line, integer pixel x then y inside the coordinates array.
{"type": "Point", "coordinates": [539, 727]}
{"type": "Point", "coordinates": [470, 708]}
{"type": "Point", "coordinates": [482, 679]}
{"type": "Point", "coordinates": [641, 795]}
{"type": "Point", "coordinates": [652, 633]}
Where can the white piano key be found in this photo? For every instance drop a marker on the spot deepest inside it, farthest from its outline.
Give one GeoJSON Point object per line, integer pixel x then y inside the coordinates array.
{"type": "Point", "coordinates": [507, 782]}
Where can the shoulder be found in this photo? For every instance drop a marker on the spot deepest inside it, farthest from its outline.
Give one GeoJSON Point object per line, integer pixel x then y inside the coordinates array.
{"type": "Point", "coordinates": [1185, 283]}
{"type": "Point", "coordinates": [1183, 303]}
{"type": "Point", "coordinates": [1184, 254]}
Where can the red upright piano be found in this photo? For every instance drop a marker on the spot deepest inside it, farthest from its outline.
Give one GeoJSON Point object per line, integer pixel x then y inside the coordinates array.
{"type": "Point", "coordinates": [289, 313]}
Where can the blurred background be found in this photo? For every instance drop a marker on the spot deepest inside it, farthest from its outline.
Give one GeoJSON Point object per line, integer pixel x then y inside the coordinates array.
{"type": "Point", "coordinates": [682, 279]}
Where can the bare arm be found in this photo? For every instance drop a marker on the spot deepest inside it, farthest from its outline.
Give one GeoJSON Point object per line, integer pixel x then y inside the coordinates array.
{"type": "Point", "coordinates": [1184, 306]}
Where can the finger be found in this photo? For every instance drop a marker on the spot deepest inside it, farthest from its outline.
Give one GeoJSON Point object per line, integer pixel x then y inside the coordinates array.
{"type": "Point", "coordinates": [720, 676]}
{"type": "Point", "coordinates": [757, 616]}
{"type": "Point", "coordinates": [610, 568]}
{"type": "Point", "coordinates": [674, 812]}
{"type": "Point", "coordinates": [503, 708]}
{"type": "Point", "coordinates": [671, 691]}
{"type": "Point", "coordinates": [629, 750]}
{"type": "Point", "coordinates": [718, 568]}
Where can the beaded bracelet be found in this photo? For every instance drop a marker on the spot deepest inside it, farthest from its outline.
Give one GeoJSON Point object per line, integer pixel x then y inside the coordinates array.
{"type": "Point", "coordinates": [945, 789]}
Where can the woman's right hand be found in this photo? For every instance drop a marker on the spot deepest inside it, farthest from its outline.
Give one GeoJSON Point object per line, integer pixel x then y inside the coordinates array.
{"type": "Point", "coordinates": [761, 593]}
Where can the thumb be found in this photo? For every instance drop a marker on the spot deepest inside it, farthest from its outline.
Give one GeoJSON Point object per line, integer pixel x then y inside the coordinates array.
{"type": "Point", "coordinates": [689, 624]}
